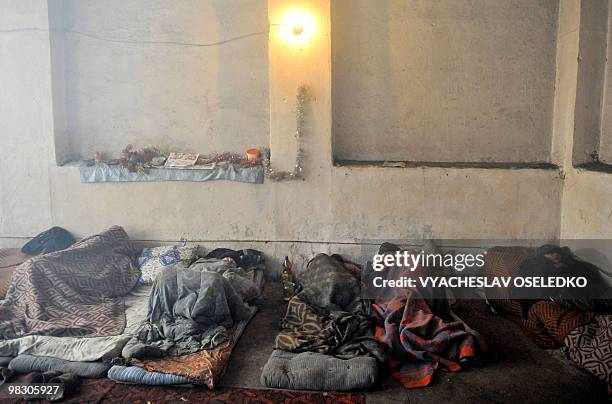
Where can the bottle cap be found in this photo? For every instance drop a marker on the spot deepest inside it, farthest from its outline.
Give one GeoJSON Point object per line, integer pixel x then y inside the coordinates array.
{"type": "Point", "coordinates": [286, 257]}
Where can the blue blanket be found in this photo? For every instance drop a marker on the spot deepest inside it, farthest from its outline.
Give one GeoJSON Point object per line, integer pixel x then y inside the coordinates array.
{"type": "Point", "coordinates": [137, 375]}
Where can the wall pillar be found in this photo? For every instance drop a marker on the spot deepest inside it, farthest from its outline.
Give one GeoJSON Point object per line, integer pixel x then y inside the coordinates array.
{"type": "Point", "coordinates": [296, 60]}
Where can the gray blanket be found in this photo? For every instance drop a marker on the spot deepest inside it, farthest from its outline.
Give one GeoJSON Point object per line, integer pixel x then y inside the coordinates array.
{"type": "Point", "coordinates": [29, 363]}
{"type": "Point", "coordinates": [190, 309]}
{"type": "Point", "coordinates": [314, 371]}
{"type": "Point", "coordinates": [326, 284]}
{"type": "Point", "coordinates": [68, 348]}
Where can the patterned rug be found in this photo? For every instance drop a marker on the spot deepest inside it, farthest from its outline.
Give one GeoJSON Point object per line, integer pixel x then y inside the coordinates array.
{"type": "Point", "coordinates": [107, 391]}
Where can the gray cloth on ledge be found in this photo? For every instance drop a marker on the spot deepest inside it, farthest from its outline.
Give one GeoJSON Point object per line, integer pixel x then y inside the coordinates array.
{"type": "Point", "coordinates": [30, 363]}
{"type": "Point", "coordinates": [116, 173]}
{"type": "Point", "coordinates": [314, 371]}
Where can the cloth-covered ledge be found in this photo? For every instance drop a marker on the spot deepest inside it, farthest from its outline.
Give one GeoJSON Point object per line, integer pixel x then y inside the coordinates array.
{"type": "Point", "coordinates": [117, 173]}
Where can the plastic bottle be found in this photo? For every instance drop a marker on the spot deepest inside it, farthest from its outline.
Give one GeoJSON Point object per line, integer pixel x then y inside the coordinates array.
{"type": "Point", "coordinates": [287, 279]}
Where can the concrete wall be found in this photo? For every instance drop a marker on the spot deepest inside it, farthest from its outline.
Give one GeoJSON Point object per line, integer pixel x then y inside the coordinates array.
{"type": "Point", "coordinates": [605, 143]}
{"type": "Point", "coordinates": [449, 81]}
{"type": "Point", "coordinates": [128, 79]}
{"type": "Point", "coordinates": [26, 119]}
{"type": "Point", "coordinates": [334, 208]}
{"type": "Point", "coordinates": [587, 202]}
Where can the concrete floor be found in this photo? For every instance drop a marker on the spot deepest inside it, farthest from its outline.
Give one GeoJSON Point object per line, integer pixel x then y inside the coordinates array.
{"type": "Point", "coordinates": [515, 370]}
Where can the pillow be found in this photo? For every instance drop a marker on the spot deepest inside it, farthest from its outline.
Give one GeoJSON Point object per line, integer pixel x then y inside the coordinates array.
{"type": "Point", "coordinates": [152, 261]}
{"type": "Point", "coordinates": [315, 371]}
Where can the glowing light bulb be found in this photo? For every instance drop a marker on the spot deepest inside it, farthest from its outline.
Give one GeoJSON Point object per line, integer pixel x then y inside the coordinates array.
{"type": "Point", "coordinates": [298, 29]}
{"type": "Point", "coordinates": [297, 26]}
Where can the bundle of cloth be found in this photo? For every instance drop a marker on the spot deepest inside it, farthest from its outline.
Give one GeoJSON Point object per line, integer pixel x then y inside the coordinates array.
{"type": "Point", "coordinates": [581, 326]}
{"type": "Point", "coordinates": [195, 316]}
{"type": "Point", "coordinates": [327, 339]}
{"type": "Point", "coordinates": [422, 334]}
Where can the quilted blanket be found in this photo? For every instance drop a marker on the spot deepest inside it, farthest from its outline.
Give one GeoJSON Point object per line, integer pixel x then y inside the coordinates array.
{"type": "Point", "coordinates": [76, 292]}
{"type": "Point", "coordinates": [343, 335]}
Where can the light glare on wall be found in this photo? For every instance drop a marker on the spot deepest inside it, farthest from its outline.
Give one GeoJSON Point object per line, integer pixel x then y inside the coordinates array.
{"type": "Point", "coordinates": [297, 26]}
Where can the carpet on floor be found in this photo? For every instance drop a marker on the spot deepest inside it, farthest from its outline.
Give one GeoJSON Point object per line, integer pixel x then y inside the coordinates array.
{"type": "Point", "coordinates": [107, 391]}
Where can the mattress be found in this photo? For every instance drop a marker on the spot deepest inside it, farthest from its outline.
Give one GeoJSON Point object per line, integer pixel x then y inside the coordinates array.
{"type": "Point", "coordinates": [315, 371]}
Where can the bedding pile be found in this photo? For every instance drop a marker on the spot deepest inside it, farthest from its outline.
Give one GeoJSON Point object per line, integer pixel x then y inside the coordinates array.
{"type": "Point", "coordinates": [327, 326]}
{"type": "Point", "coordinates": [63, 314]}
{"type": "Point", "coordinates": [194, 319]}
{"type": "Point", "coordinates": [585, 335]}
{"type": "Point", "coordinates": [190, 309]}
{"type": "Point", "coordinates": [86, 311]}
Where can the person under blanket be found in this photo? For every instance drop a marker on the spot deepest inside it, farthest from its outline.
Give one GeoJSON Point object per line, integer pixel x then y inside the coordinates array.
{"type": "Point", "coordinates": [582, 326]}
{"type": "Point", "coordinates": [190, 309]}
{"type": "Point", "coordinates": [328, 315]}
{"type": "Point", "coordinates": [422, 335]}
{"type": "Point", "coordinates": [76, 292]}
{"type": "Point", "coordinates": [551, 260]}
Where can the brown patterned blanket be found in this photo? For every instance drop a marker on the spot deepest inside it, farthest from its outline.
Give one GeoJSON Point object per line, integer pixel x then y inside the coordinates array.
{"type": "Point", "coordinates": [546, 323]}
{"type": "Point", "coordinates": [76, 292]}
